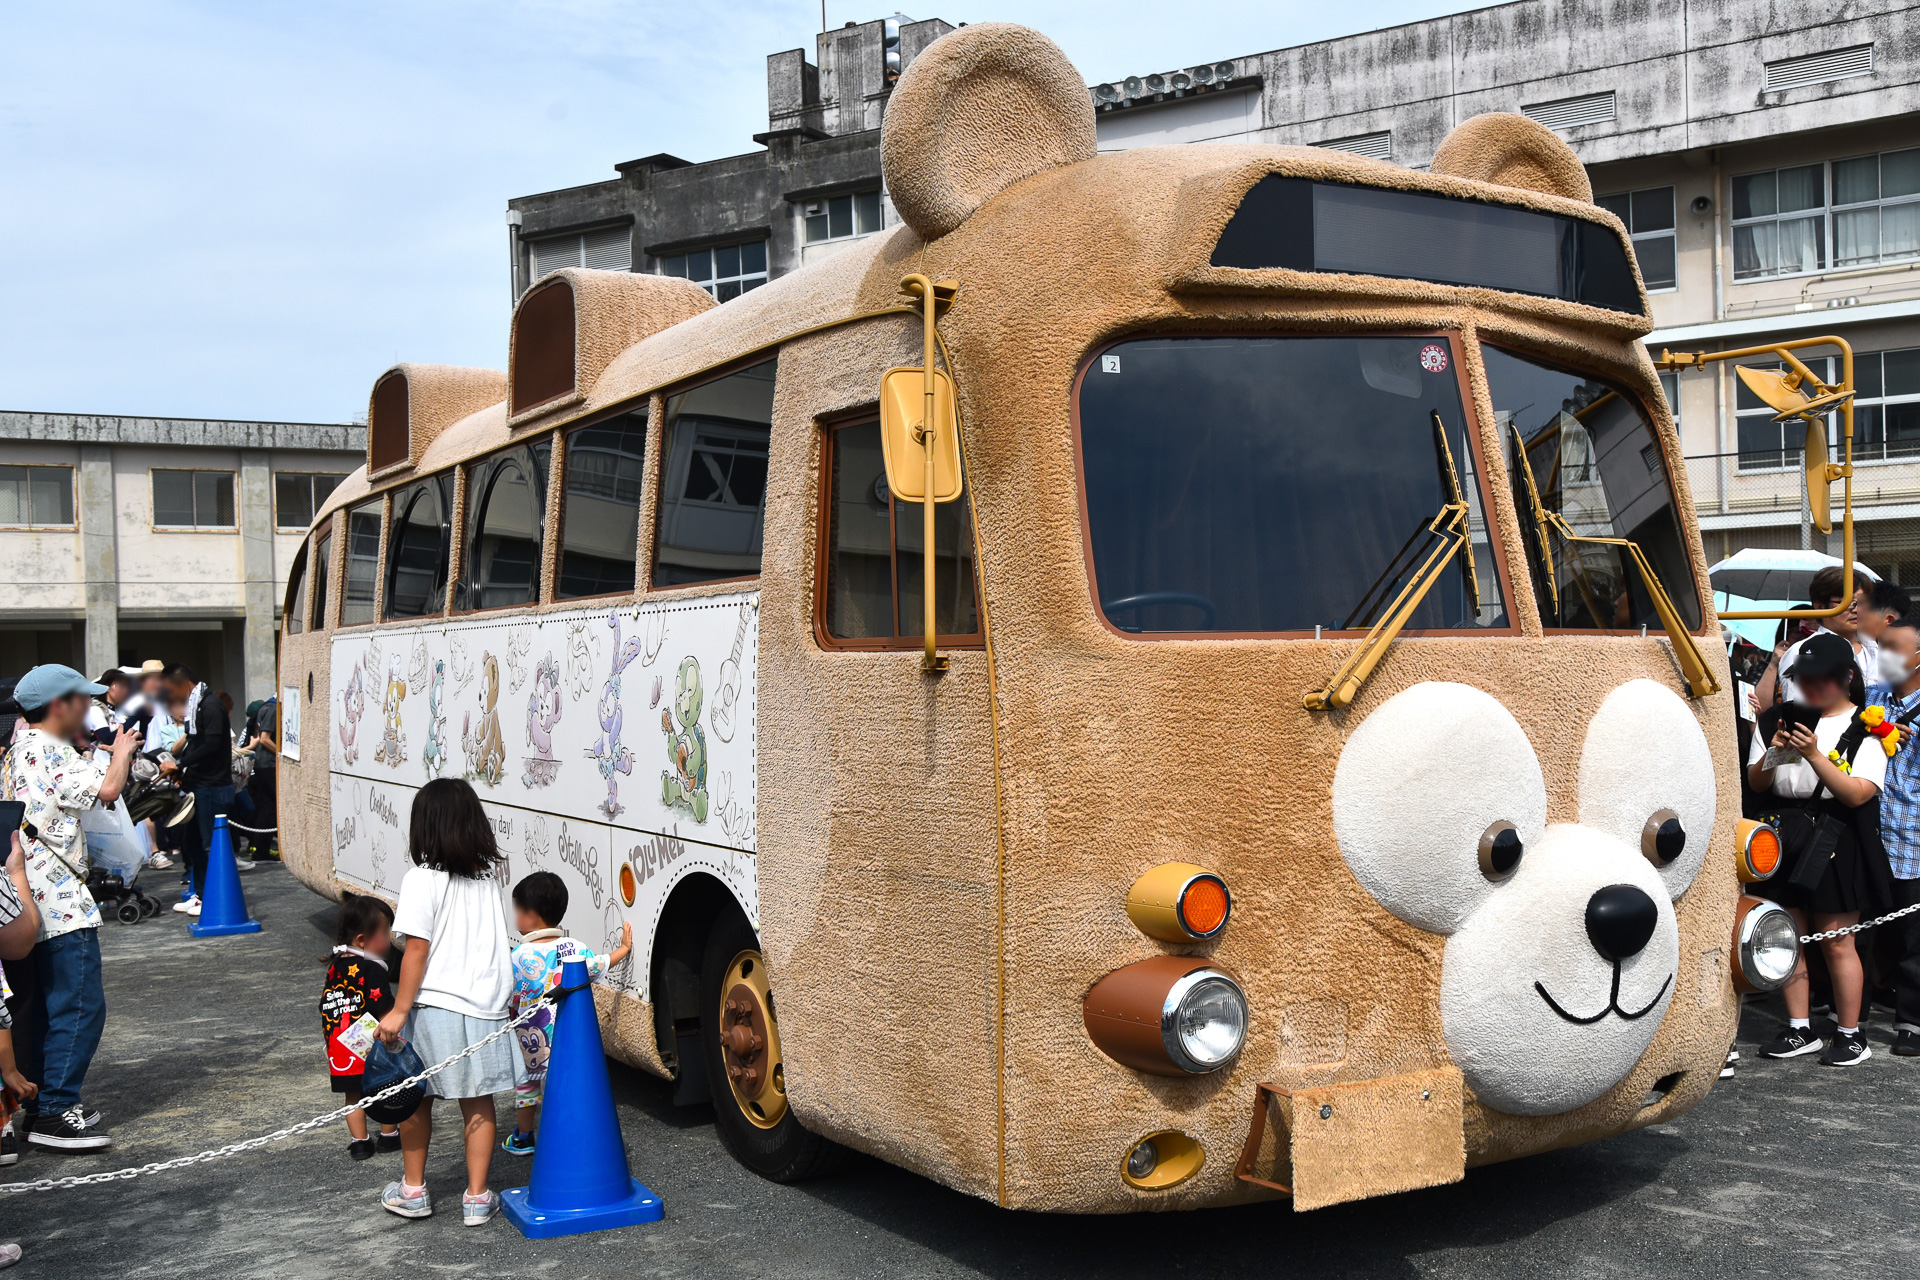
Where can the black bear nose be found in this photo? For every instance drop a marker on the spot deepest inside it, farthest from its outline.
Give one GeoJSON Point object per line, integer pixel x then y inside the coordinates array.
{"type": "Point", "coordinates": [1620, 919]}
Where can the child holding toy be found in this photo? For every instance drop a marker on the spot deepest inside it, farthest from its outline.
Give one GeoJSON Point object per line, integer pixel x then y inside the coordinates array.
{"type": "Point", "coordinates": [539, 904]}
{"type": "Point", "coordinates": [455, 979]}
{"type": "Point", "coordinates": [357, 984]}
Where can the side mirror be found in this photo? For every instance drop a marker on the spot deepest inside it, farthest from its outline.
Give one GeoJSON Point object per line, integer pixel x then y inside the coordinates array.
{"type": "Point", "coordinates": [1819, 476]}
{"type": "Point", "coordinates": [903, 401]}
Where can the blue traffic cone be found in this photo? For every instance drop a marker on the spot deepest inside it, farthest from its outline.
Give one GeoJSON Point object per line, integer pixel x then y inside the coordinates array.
{"type": "Point", "coordinates": [223, 908]}
{"type": "Point", "coordinates": [580, 1181]}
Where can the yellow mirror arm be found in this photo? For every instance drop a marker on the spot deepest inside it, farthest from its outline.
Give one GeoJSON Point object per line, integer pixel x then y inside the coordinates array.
{"type": "Point", "coordinates": [1449, 524]}
{"type": "Point", "coordinates": [1699, 677]}
{"type": "Point", "coordinates": [922, 287]}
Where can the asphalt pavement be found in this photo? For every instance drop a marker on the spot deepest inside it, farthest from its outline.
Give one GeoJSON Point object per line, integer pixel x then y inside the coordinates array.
{"type": "Point", "coordinates": [1788, 1169]}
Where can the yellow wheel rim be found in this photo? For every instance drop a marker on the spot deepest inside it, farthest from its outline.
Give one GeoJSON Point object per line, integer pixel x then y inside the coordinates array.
{"type": "Point", "coordinates": [750, 1042]}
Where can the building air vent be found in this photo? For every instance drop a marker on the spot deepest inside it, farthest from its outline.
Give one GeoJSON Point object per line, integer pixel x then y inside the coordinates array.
{"type": "Point", "coordinates": [1374, 146]}
{"type": "Point", "coordinates": [608, 249]}
{"type": "Point", "coordinates": [1818, 68]}
{"type": "Point", "coordinates": [1570, 113]}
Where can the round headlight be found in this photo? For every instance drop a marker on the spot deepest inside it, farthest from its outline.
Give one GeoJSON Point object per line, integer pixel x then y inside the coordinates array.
{"type": "Point", "coordinates": [1204, 1021]}
{"type": "Point", "coordinates": [1767, 944]}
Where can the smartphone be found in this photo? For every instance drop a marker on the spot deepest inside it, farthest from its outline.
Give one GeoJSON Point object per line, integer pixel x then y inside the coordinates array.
{"type": "Point", "coordinates": [1798, 713]}
{"type": "Point", "coordinates": [12, 814]}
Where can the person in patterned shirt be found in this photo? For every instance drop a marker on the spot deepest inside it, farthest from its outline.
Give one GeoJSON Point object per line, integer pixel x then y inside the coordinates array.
{"type": "Point", "coordinates": [58, 783]}
{"type": "Point", "coordinates": [1899, 694]}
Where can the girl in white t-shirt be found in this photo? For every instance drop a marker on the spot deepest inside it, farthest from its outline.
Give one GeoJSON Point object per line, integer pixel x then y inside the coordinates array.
{"type": "Point", "coordinates": [455, 979]}
{"type": "Point", "coordinates": [1836, 770]}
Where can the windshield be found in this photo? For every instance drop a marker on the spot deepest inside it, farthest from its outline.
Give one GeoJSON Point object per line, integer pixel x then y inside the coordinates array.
{"type": "Point", "coordinates": [1258, 485]}
{"type": "Point", "coordinates": [1594, 462]}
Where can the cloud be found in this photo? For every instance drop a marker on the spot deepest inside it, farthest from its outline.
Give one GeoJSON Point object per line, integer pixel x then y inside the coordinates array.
{"type": "Point", "coordinates": [248, 210]}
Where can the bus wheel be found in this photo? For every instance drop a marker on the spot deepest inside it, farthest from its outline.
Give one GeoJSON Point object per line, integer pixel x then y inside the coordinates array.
{"type": "Point", "coordinates": [744, 1069]}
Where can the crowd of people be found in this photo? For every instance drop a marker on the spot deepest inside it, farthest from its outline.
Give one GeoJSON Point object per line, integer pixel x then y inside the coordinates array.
{"type": "Point", "coordinates": [1828, 762]}
{"type": "Point", "coordinates": [75, 749]}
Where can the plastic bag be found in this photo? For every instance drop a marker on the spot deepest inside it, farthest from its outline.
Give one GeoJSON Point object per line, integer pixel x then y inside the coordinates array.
{"type": "Point", "coordinates": [114, 842]}
{"type": "Point", "coordinates": [385, 1068]}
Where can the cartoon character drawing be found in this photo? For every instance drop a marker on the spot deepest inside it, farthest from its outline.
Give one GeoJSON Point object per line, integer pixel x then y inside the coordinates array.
{"type": "Point", "coordinates": [653, 636]}
{"type": "Point", "coordinates": [517, 647]}
{"type": "Point", "coordinates": [611, 755]}
{"type": "Point", "coordinates": [580, 658]}
{"type": "Point", "coordinates": [392, 748]}
{"type": "Point", "coordinates": [462, 667]}
{"type": "Point", "coordinates": [434, 754]}
{"type": "Point", "coordinates": [417, 677]}
{"type": "Point", "coordinates": [486, 753]}
{"type": "Point", "coordinates": [379, 861]}
{"type": "Point", "coordinates": [736, 821]}
{"type": "Point", "coordinates": [353, 703]}
{"type": "Point", "coordinates": [685, 785]}
{"type": "Point", "coordinates": [537, 845]}
{"type": "Point", "coordinates": [543, 712]}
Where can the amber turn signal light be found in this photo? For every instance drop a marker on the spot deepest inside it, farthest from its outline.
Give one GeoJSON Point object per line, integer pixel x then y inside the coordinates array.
{"type": "Point", "coordinates": [1759, 845]}
{"type": "Point", "coordinates": [1179, 902]}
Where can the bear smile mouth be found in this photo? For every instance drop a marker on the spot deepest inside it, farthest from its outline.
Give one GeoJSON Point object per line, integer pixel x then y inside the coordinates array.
{"type": "Point", "coordinates": [1613, 1002]}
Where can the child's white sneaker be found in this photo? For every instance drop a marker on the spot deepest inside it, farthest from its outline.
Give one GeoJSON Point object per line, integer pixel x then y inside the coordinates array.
{"type": "Point", "coordinates": [396, 1200]}
{"type": "Point", "coordinates": [476, 1211]}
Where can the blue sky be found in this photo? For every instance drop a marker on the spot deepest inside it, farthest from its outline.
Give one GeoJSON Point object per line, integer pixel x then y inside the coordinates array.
{"type": "Point", "coordinates": [248, 210]}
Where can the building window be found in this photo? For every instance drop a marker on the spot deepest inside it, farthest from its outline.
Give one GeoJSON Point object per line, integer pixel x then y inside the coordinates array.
{"type": "Point", "coordinates": [607, 249]}
{"type": "Point", "coordinates": [1670, 388]}
{"type": "Point", "coordinates": [600, 507]}
{"type": "Point", "coordinates": [842, 217]}
{"type": "Point", "coordinates": [297, 495]}
{"type": "Point", "coordinates": [192, 499]}
{"type": "Point", "coordinates": [713, 484]}
{"type": "Point", "coordinates": [1886, 407]}
{"type": "Point", "coordinates": [726, 272]}
{"type": "Point", "coordinates": [1781, 222]}
{"type": "Point", "coordinates": [36, 497]}
{"type": "Point", "coordinates": [1648, 218]}
{"type": "Point", "coordinates": [875, 576]}
{"type": "Point", "coordinates": [507, 505]}
{"type": "Point", "coordinates": [363, 562]}
{"type": "Point", "coordinates": [1876, 213]}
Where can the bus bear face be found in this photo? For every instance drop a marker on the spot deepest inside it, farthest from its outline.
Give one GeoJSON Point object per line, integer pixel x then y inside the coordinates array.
{"type": "Point", "coordinates": [1562, 949]}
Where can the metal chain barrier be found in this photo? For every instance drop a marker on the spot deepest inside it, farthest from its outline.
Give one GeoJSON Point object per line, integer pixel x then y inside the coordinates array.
{"type": "Point", "coordinates": [305, 1126]}
{"type": "Point", "coordinates": [1862, 927]}
{"type": "Point", "coordinates": [252, 831]}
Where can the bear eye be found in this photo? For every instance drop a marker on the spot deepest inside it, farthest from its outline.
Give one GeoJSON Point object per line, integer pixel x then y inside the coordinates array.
{"type": "Point", "coordinates": [1500, 850]}
{"type": "Point", "coordinates": [1663, 839]}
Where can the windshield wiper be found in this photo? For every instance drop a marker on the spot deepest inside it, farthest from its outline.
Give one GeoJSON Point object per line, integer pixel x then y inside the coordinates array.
{"type": "Point", "coordinates": [1445, 534]}
{"type": "Point", "coordinates": [1543, 532]}
{"type": "Point", "coordinates": [1693, 668]}
{"type": "Point", "coordinates": [1444, 452]}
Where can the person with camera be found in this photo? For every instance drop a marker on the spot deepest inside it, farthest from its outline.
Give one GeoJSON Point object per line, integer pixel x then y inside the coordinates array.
{"type": "Point", "coordinates": [57, 783]}
{"type": "Point", "coordinates": [1823, 771]}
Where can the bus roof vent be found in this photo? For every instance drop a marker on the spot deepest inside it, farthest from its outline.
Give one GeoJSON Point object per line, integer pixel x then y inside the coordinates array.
{"type": "Point", "coordinates": [571, 325]}
{"type": "Point", "coordinates": [413, 403]}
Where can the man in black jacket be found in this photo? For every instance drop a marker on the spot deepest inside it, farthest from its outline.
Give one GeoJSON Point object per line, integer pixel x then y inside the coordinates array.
{"type": "Point", "coordinates": [206, 767]}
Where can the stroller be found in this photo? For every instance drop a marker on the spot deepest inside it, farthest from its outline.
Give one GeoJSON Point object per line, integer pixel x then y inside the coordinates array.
{"type": "Point", "coordinates": [117, 851]}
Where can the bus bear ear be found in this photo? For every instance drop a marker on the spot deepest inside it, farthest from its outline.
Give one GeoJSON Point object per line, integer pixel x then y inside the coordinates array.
{"type": "Point", "coordinates": [1513, 151]}
{"type": "Point", "coordinates": [980, 109]}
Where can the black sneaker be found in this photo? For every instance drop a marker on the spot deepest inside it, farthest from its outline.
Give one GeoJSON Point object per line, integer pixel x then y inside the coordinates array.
{"type": "Point", "coordinates": [67, 1132]}
{"type": "Point", "coordinates": [9, 1147]}
{"type": "Point", "coordinates": [1798, 1042]}
{"type": "Point", "coordinates": [387, 1142]}
{"type": "Point", "coordinates": [1907, 1044]}
{"type": "Point", "coordinates": [1846, 1050]}
{"type": "Point", "coordinates": [360, 1149]}
{"type": "Point", "coordinates": [89, 1116]}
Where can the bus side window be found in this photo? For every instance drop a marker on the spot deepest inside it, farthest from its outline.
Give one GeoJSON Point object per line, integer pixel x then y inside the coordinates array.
{"type": "Point", "coordinates": [296, 588]}
{"type": "Point", "coordinates": [600, 507]}
{"type": "Point", "coordinates": [713, 484]}
{"type": "Point", "coordinates": [872, 575]}
{"type": "Point", "coordinates": [417, 548]}
{"type": "Point", "coordinates": [363, 562]}
{"type": "Point", "coordinates": [322, 566]}
{"type": "Point", "coordinates": [506, 501]}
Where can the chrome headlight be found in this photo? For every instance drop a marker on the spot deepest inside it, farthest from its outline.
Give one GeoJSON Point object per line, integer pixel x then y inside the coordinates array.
{"type": "Point", "coordinates": [1204, 1021]}
{"type": "Point", "coordinates": [1766, 945]}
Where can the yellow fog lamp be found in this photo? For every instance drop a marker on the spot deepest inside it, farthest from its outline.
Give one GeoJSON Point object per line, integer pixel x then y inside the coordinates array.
{"type": "Point", "coordinates": [1759, 850]}
{"type": "Point", "coordinates": [1766, 945]}
{"type": "Point", "coordinates": [1180, 902]}
{"type": "Point", "coordinates": [1161, 1160]}
{"type": "Point", "coordinates": [1168, 1015]}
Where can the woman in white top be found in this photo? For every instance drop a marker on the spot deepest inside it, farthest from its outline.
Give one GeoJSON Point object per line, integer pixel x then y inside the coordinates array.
{"type": "Point", "coordinates": [455, 979]}
{"type": "Point", "coordinates": [1834, 771]}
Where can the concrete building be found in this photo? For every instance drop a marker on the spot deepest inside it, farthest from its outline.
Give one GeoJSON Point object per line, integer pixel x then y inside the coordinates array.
{"type": "Point", "coordinates": [136, 538]}
{"type": "Point", "coordinates": [1764, 157]}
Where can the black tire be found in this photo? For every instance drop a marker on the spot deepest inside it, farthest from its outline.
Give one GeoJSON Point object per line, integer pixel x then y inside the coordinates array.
{"type": "Point", "coordinates": [787, 1152]}
{"type": "Point", "coordinates": [129, 911]}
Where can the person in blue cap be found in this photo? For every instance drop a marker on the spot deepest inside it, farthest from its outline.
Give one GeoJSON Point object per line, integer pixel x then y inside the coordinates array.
{"type": "Point", "coordinates": [57, 782]}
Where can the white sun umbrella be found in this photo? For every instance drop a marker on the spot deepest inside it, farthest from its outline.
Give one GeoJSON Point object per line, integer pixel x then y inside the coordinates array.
{"type": "Point", "coordinates": [1759, 578]}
